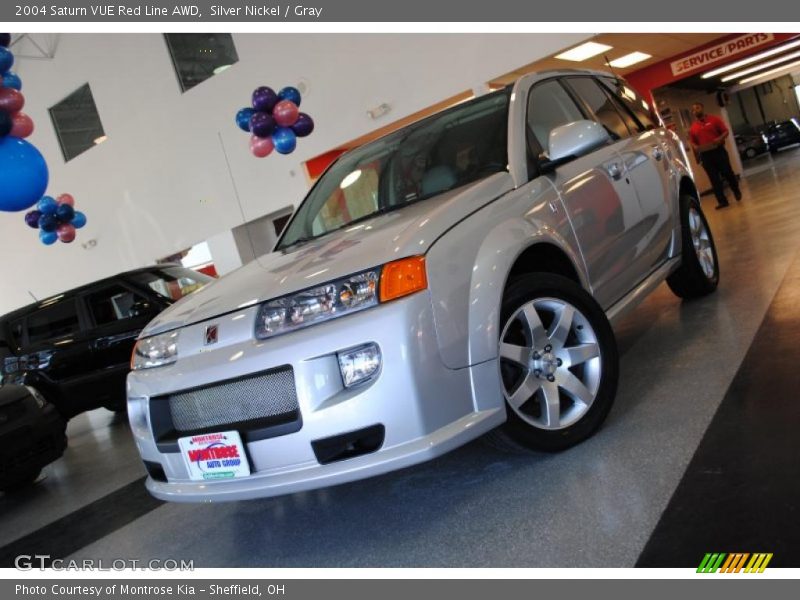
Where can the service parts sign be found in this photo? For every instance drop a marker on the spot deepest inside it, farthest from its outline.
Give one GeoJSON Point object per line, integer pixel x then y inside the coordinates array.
{"type": "Point", "coordinates": [215, 455]}
{"type": "Point", "coordinates": [715, 54]}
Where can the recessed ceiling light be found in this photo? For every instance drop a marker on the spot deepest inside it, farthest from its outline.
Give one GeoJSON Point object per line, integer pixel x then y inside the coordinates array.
{"type": "Point", "coordinates": [751, 59]}
{"type": "Point", "coordinates": [769, 63]}
{"type": "Point", "coordinates": [584, 51]}
{"type": "Point", "coordinates": [629, 59]}
{"type": "Point", "coordinates": [770, 72]}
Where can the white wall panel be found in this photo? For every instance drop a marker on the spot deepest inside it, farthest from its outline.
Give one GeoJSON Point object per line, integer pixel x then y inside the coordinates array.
{"type": "Point", "coordinates": [160, 182]}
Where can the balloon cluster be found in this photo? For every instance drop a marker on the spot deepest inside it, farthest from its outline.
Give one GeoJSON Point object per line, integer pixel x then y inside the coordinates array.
{"type": "Point", "coordinates": [56, 219]}
{"type": "Point", "coordinates": [23, 171]}
{"type": "Point", "coordinates": [274, 121]}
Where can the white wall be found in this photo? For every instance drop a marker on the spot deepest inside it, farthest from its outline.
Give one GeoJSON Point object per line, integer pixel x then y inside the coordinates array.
{"type": "Point", "coordinates": [160, 182]}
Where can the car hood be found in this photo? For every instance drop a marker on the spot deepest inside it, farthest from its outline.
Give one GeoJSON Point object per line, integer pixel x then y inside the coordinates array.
{"type": "Point", "coordinates": [12, 393]}
{"type": "Point", "coordinates": [405, 232]}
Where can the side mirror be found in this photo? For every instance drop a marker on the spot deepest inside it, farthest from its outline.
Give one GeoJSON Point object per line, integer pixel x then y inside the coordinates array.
{"type": "Point", "coordinates": [573, 140]}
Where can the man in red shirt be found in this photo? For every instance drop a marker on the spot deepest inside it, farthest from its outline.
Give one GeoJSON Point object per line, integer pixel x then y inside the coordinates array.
{"type": "Point", "coordinates": [707, 136]}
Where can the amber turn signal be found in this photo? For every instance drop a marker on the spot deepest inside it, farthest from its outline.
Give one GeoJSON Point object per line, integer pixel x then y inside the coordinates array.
{"type": "Point", "coordinates": [403, 277]}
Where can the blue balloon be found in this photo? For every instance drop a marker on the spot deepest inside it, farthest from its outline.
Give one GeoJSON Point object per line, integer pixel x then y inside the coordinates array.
{"type": "Point", "coordinates": [290, 93]}
{"type": "Point", "coordinates": [47, 205]}
{"type": "Point", "coordinates": [23, 174]}
{"type": "Point", "coordinates": [12, 80]}
{"type": "Point", "coordinates": [48, 238]}
{"type": "Point", "coordinates": [48, 222]}
{"type": "Point", "coordinates": [243, 118]}
{"type": "Point", "coordinates": [65, 213]}
{"type": "Point", "coordinates": [79, 220]}
{"type": "Point", "coordinates": [6, 59]}
{"type": "Point", "coordinates": [284, 140]}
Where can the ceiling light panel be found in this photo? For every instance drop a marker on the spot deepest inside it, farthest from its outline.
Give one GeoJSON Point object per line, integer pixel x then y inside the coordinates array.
{"type": "Point", "coordinates": [629, 59]}
{"type": "Point", "coordinates": [751, 59]}
{"type": "Point", "coordinates": [770, 72]}
{"type": "Point", "coordinates": [584, 51]}
{"type": "Point", "coordinates": [758, 67]}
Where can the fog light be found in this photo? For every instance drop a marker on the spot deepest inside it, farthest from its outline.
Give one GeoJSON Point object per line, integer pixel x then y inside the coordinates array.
{"type": "Point", "coordinates": [137, 417]}
{"type": "Point", "coordinates": [359, 364]}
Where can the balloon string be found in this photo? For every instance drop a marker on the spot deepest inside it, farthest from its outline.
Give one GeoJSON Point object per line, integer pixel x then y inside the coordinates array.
{"type": "Point", "coordinates": [236, 195]}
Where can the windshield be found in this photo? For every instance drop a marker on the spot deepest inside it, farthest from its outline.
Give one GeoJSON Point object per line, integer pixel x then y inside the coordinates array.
{"type": "Point", "coordinates": [443, 152]}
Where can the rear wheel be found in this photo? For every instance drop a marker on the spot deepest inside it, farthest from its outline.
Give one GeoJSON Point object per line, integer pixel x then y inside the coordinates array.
{"type": "Point", "coordinates": [558, 364]}
{"type": "Point", "coordinates": [698, 274]}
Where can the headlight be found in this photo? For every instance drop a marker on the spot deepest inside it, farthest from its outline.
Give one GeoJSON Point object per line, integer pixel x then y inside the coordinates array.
{"type": "Point", "coordinates": [155, 351]}
{"type": "Point", "coordinates": [341, 297]}
{"type": "Point", "coordinates": [334, 299]}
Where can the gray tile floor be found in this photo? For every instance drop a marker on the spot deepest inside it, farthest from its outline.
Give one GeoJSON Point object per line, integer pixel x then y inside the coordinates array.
{"type": "Point", "coordinates": [594, 505]}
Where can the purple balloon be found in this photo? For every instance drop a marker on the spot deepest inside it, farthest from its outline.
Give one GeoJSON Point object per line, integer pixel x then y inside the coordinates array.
{"type": "Point", "coordinates": [262, 124]}
{"type": "Point", "coordinates": [303, 126]}
{"type": "Point", "coordinates": [32, 218]}
{"type": "Point", "coordinates": [264, 98]}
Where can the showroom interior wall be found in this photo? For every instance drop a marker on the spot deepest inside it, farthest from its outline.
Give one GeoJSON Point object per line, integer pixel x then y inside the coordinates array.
{"type": "Point", "coordinates": [160, 183]}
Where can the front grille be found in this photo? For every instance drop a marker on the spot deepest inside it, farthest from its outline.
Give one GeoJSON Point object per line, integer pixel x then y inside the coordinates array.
{"type": "Point", "coordinates": [268, 395]}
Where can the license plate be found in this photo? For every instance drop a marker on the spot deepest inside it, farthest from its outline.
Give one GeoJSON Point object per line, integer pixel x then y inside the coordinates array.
{"type": "Point", "coordinates": [214, 455]}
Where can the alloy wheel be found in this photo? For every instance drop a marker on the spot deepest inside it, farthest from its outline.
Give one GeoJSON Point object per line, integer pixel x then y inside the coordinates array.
{"type": "Point", "coordinates": [702, 243]}
{"type": "Point", "coordinates": [550, 363]}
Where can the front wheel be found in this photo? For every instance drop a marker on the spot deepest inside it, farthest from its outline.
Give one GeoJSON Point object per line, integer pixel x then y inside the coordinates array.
{"type": "Point", "coordinates": [558, 364]}
{"type": "Point", "coordinates": [698, 274]}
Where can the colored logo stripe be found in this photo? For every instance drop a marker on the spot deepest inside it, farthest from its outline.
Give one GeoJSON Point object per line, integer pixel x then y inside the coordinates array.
{"type": "Point", "coordinates": [734, 562]}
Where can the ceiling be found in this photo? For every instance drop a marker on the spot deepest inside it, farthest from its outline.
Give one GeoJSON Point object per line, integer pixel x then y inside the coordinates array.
{"type": "Point", "coordinates": [659, 45]}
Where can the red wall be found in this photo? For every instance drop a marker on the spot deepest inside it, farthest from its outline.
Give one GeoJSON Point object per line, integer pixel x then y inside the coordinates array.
{"type": "Point", "coordinates": [660, 74]}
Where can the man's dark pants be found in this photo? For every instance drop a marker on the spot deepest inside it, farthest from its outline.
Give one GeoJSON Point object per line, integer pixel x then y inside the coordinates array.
{"type": "Point", "coordinates": [718, 165]}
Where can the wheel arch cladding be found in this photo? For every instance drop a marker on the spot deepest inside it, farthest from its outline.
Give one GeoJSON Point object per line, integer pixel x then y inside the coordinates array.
{"type": "Point", "coordinates": [468, 275]}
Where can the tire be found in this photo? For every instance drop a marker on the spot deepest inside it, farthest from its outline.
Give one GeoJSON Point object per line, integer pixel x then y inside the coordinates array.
{"type": "Point", "coordinates": [19, 481]}
{"type": "Point", "coordinates": [750, 153]}
{"type": "Point", "coordinates": [531, 353]}
{"type": "Point", "coordinates": [695, 277]}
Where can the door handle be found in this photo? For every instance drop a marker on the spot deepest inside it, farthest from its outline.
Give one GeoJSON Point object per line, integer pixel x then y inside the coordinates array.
{"type": "Point", "coordinates": [658, 152]}
{"type": "Point", "coordinates": [614, 171]}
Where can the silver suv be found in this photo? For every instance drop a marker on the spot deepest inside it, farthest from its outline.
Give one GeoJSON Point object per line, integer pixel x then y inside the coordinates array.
{"type": "Point", "coordinates": [452, 279]}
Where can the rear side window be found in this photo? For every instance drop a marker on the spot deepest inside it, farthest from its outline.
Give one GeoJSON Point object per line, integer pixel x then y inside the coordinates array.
{"type": "Point", "coordinates": [115, 303]}
{"type": "Point", "coordinates": [52, 322]}
{"type": "Point", "coordinates": [633, 101]}
{"type": "Point", "coordinates": [600, 105]}
{"type": "Point", "coordinates": [549, 106]}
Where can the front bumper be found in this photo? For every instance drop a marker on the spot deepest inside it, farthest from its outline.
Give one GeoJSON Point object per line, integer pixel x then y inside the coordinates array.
{"type": "Point", "coordinates": [424, 408]}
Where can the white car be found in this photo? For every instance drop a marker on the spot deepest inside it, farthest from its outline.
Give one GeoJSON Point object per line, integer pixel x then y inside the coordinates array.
{"type": "Point", "coordinates": [451, 279]}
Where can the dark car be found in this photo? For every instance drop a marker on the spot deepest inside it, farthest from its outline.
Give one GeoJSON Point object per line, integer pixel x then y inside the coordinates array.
{"type": "Point", "coordinates": [31, 435]}
{"type": "Point", "coordinates": [751, 145]}
{"type": "Point", "coordinates": [75, 347]}
{"type": "Point", "coordinates": [780, 135]}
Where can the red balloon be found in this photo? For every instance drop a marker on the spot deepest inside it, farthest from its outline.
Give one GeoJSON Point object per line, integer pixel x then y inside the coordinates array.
{"type": "Point", "coordinates": [11, 100]}
{"type": "Point", "coordinates": [66, 232]}
{"type": "Point", "coordinates": [22, 125]}
{"type": "Point", "coordinates": [285, 113]}
{"type": "Point", "coordinates": [66, 199]}
{"type": "Point", "coordinates": [261, 147]}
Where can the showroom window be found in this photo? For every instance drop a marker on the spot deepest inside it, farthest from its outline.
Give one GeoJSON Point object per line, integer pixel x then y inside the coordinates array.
{"type": "Point", "coordinates": [53, 322]}
{"type": "Point", "coordinates": [172, 282]}
{"type": "Point", "coordinates": [199, 56]}
{"type": "Point", "coordinates": [116, 303]}
{"type": "Point", "coordinates": [600, 105]}
{"type": "Point", "coordinates": [549, 106]}
{"type": "Point", "coordinates": [77, 123]}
